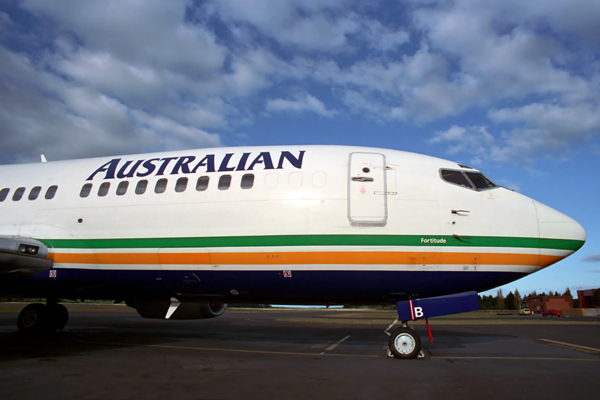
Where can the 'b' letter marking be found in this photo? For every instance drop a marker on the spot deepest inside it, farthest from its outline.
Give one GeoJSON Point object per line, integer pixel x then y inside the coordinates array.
{"type": "Point", "coordinates": [418, 312]}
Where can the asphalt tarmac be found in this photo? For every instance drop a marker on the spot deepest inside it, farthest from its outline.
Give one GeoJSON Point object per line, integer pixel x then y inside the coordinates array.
{"type": "Point", "coordinates": [109, 352]}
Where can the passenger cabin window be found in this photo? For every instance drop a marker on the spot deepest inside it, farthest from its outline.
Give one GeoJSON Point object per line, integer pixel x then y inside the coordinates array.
{"type": "Point", "coordinates": [35, 192]}
{"type": "Point", "coordinates": [103, 191]}
{"type": "Point", "coordinates": [4, 193]}
{"type": "Point", "coordinates": [469, 180]}
{"type": "Point", "coordinates": [202, 183]}
{"type": "Point", "coordinates": [161, 186]}
{"type": "Point", "coordinates": [271, 180]}
{"type": "Point", "coordinates": [319, 179]}
{"type": "Point", "coordinates": [295, 179]}
{"type": "Point", "coordinates": [85, 190]}
{"type": "Point", "coordinates": [51, 192]}
{"type": "Point", "coordinates": [224, 182]}
{"type": "Point", "coordinates": [181, 185]}
{"type": "Point", "coordinates": [247, 181]}
{"type": "Point", "coordinates": [141, 187]}
{"type": "Point", "coordinates": [122, 188]}
{"type": "Point", "coordinates": [18, 194]}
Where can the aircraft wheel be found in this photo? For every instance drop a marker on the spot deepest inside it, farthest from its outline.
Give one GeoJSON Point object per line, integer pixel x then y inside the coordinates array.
{"type": "Point", "coordinates": [33, 318]}
{"type": "Point", "coordinates": [404, 343]}
{"type": "Point", "coordinates": [58, 315]}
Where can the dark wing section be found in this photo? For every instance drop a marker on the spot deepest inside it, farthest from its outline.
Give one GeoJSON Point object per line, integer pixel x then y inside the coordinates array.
{"type": "Point", "coordinates": [22, 257]}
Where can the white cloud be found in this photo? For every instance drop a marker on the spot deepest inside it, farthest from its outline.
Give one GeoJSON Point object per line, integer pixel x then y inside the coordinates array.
{"type": "Point", "coordinates": [173, 135]}
{"type": "Point", "coordinates": [41, 112]}
{"type": "Point", "coordinates": [138, 32]}
{"type": "Point", "coordinates": [475, 140]}
{"type": "Point", "coordinates": [381, 38]}
{"type": "Point", "coordinates": [302, 103]}
{"type": "Point", "coordinates": [368, 105]}
{"type": "Point", "coordinates": [540, 129]}
{"type": "Point", "coordinates": [496, 60]}
{"type": "Point", "coordinates": [112, 62]}
{"type": "Point", "coordinates": [309, 25]}
{"type": "Point", "coordinates": [510, 53]}
{"type": "Point", "coordinates": [301, 23]}
{"type": "Point", "coordinates": [545, 129]}
{"type": "Point", "coordinates": [102, 71]}
{"type": "Point", "coordinates": [119, 70]}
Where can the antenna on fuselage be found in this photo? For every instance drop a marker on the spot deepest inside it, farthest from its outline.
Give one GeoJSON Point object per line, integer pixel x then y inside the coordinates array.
{"type": "Point", "coordinates": [44, 158]}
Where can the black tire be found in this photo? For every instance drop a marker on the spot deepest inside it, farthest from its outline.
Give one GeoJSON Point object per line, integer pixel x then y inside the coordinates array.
{"type": "Point", "coordinates": [404, 343]}
{"type": "Point", "coordinates": [33, 318]}
{"type": "Point", "coordinates": [58, 316]}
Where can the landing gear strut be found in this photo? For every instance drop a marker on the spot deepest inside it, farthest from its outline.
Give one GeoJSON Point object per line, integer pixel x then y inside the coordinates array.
{"type": "Point", "coordinates": [39, 317]}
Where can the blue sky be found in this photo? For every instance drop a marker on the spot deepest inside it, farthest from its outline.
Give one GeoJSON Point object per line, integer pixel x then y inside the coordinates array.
{"type": "Point", "coordinates": [510, 87]}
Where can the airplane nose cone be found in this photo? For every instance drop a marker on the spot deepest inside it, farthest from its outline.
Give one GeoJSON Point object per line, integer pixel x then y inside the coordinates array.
{"type": "Point", "coordinates": [556, 225]}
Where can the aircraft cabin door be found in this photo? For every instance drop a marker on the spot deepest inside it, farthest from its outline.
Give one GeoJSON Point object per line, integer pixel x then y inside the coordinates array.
{"type": "Point", "coordinates": [367, 189]}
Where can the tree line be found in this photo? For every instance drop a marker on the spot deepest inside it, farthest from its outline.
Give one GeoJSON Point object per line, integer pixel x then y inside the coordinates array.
{"type": "Point", "coordinates": [515, 301]}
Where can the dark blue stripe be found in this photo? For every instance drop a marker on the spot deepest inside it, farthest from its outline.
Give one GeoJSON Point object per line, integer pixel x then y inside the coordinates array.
{"type": "Point", "coordinates": [304, 287]}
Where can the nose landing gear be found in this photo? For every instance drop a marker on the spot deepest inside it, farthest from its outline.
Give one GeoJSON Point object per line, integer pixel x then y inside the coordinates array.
{"type": "Point", "coordinates": [404, 342]}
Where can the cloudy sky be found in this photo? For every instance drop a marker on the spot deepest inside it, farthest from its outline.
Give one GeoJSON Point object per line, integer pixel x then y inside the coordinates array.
{"type": "Point", "coordinates": [512, 87]}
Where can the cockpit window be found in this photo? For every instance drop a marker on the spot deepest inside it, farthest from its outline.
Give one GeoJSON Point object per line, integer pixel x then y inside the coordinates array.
{"type": "Point", "coordinates": [456, 177]}
{"type": "Point", "coordinates": [469, 180]}
{"type": "Point", "coordinates": [480, 181]}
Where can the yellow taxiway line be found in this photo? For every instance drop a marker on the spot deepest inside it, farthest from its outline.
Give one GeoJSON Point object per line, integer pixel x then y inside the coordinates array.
{"type": "Point", "coordinates": [571, 346]}
{"type": "Point", "coordinates": [291, 353]}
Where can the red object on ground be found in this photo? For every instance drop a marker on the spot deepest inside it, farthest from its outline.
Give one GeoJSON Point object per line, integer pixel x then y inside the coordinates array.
{"type": "Point", "coordinates": [552, 313]}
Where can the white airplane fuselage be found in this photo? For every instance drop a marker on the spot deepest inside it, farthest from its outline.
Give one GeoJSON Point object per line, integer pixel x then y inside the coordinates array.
{"type": "Point", "coordinates": [286, 224]}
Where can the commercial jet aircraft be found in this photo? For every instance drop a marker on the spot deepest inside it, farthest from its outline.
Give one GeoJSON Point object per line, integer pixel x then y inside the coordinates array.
{"type": "Point", "coordinates": [181, 234]}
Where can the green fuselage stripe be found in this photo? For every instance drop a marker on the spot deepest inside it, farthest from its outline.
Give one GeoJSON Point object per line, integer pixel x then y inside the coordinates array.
{"type": "Point", "coordinates": [315, 240]}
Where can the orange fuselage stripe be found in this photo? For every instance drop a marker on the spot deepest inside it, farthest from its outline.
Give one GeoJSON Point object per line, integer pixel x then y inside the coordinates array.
{"type": "Point", "coordinates": [306, 258]}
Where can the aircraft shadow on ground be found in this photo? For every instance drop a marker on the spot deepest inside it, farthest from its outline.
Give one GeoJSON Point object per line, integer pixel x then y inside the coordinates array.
{"type": "Point", "coordinates": [448, 339]}
{"type": "Point", "coordinates": [107, 332]}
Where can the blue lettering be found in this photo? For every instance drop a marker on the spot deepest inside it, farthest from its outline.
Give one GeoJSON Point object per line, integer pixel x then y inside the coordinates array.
{"type": "Point", "coordinates": [150, 167]}
{"type": "Point", "coordinates": [208, 162]}
{"type": "Point", "coordinates": [223, 167]}
{"type": "Point", "coordinates": [263, 158]}
{"type": "Point", "coordinates": [182, 164]}
{"type": "Point", "coordinates": [121, 174]}
{"type": "Point", "coordinates": [242, 164]}
{"type": "Point", "coordinates": [109, 167]}
{"type": "Point", "coordinates": [166, 162]}
{"type": "Point", "coordinates": [296, 162]}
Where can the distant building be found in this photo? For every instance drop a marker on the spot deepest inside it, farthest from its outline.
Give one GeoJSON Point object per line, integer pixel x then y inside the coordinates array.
{"type": "Point", "coordinates": [543, 303]}
{"type": "Point", "coordinates": [586, 298]}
